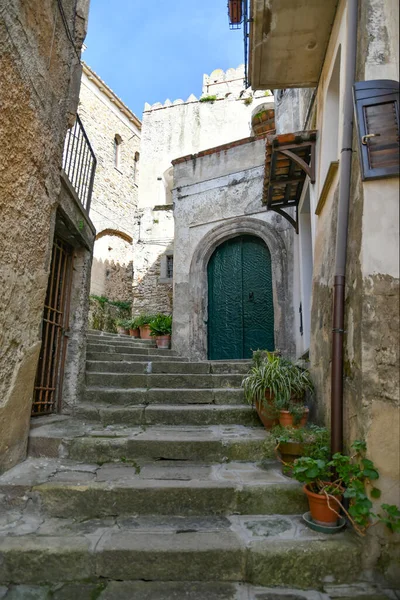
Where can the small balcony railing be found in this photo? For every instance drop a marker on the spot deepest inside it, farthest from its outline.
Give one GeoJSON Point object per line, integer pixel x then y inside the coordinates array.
{"type": "Point", "coordinates": [79, 163]}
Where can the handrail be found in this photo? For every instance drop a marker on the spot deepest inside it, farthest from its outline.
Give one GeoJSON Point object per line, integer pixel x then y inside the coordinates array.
{"type": "Point", "coordinates": [79, 162]}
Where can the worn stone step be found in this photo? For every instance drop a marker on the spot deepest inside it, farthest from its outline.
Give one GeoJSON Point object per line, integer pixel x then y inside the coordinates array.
{"type": "Point", "coordinates": [128, 349]}
{"type": "Point", "coordinates": [69, 489]}
{"type": "Point", "coordinates": [262, 550]}
{"type": "Point", "coordinates": [166, 366]}
{"type": "Point", "coordinates": [136, 396]}
{"type": "Point", "coordinates": [133, 357]}
{"type": "Point", "coordinates": [131, 342]}
{"type": "Point", "coordinates": [158, 414]}
{"type": "Point", "coordinates": [87, 442]}
{"type": "Point", "coordinates": [105, 589]}
{"type": "Point", "coordinates": [163, 380]}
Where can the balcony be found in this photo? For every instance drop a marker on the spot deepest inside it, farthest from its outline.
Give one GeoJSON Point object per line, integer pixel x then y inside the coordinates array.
{"type": "Point", "coordinates": [79, 163]}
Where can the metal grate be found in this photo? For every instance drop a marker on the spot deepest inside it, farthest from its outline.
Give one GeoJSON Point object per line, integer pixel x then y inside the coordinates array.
{"type": "Point", "coordinates": [48, 381]}
{"type": "Point", "coordinates": [170, 267]}
{"type": "Point", "coordinates": [79, 162]}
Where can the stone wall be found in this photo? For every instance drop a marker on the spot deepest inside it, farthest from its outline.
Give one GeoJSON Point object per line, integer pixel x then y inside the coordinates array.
{"type": "Point", "coordinates": [218, 195]}
{"type": "Point", "coordinates": [172, 130]}
{"type": "Point", "coordinates": [115, 191]}
{"type": "Point", "coordinates": [39, 86]}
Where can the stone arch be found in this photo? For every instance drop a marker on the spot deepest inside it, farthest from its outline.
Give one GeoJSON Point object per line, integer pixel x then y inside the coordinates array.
{"type": "Point", "coordinates": [198, 284]}
{"type": "Point", "coordinates": [112, 266]}
{"type": "Point", "coordinates": [115, 232]}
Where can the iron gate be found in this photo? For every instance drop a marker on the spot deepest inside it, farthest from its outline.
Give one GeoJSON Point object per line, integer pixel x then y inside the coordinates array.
{"type": "Point", "coordinates": [47, 390]}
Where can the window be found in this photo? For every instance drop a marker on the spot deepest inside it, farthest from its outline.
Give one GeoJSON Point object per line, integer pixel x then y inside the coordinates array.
{"type": "Point", "coordinates": [135, 166]}
{"type": "Point", "coordinates": [117, 151]}
{"type": "Point", "coordinates": [377, 111]}
{"type": "Point", "coordinates": [166, 268]}
{"type": "Point", "coordinates": [170, 267]}
{"type": "Point", "coordinates": [331, 125]}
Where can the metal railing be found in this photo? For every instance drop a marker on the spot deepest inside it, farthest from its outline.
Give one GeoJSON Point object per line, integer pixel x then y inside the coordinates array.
{"type": "Point", "coordinates": [79, 162]}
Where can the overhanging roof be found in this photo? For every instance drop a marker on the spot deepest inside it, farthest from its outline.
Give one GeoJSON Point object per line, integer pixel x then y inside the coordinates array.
{"type": "Point", "coordinates": [289, 159]}
{"type": "Point", "coordinates": [288, 41]}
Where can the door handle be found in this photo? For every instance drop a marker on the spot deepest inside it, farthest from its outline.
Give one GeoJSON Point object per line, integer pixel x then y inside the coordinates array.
{"type": "Point", "coordinates": [251, 297]}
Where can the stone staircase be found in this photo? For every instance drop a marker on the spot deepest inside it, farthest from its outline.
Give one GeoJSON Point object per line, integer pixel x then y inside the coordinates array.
{"type": "Point", "coordinates": [161, 486]}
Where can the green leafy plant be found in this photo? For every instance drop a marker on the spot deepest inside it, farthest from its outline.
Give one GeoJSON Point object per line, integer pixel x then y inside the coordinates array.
{"type": "Point", "coordinates": [208, 98]}
{"type": "Point", "coordinates": [143, 320]}
{"type": "Point", "coordinates": [161, 325]}
{"type": "Point", "coordinates": [133, 323]}
{"type": "Point", "coordinates": [124, 323]}
{"type": "Point", "coordinates": [315, 439]}
{"type": "Point", "coordinates": [248, 101]}
{"type": "Point", "coordinates": [280, 376]}
{"type": "Point", "coordinates": [354, 478]}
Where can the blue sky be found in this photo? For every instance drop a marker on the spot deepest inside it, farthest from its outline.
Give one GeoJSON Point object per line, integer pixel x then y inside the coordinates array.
{"type": "Point", "coordinates": [150, 51]}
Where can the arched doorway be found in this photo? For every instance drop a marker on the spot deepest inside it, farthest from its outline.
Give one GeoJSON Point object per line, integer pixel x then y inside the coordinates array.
{"type": "Point", "coordinates": [240, 301]}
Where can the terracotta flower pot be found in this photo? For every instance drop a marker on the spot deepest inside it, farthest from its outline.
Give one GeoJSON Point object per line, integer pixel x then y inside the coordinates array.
{"type": "Point", "coordinates": [267, 412]}
{"type": "Point", "coordinates": [287, 420]}
{"type": "Point", "coordinates": [163, 341]}
{"type": "Point", "coordinates": [134, 332]}
{"type": "Point", "coordinates": [122, 331]}
{"type": "Point", "coordinates": [319, 509]}
{"type": "Point", "coordinates": [145, 332]}
{"type": "Point", "coordinates": [289, 451]}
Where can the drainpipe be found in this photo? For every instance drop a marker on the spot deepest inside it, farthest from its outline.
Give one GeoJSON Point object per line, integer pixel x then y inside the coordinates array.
{"type": "Point", "coordinates": [342, 227]}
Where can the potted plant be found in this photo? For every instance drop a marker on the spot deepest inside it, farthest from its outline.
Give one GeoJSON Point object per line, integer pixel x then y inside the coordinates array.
{"type": "Point", "coordinates": [273, 384]}
{"type": "Point", "coordinates": [143, 322]}
{"type": "Point", "coordinates": [134, 328]}
{"type": "Point", "coordinates": [161, 329]}
{"type": "Point", "coordinates": [292, 443]}
{"type": "Point", "coordinates": [353, 479]}
{"type": "Point", "coordinates": [122, 326]}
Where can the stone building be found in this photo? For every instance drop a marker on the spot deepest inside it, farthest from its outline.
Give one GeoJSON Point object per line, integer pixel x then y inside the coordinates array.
{"type": "Point", "coordinates": [221, 115]}
{"type": "Point", "coordinates": [47, 235]}
{"type": "Point", "coordinates": [114, 133]}
{"type": "Point", "coordinates": [336, 72]}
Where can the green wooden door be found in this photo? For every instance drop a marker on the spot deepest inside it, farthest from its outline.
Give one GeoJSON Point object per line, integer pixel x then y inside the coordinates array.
{"type": "Point", "coordinates": [240, 305]}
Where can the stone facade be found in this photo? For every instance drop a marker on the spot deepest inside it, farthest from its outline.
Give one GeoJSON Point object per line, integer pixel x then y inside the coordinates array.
{"type": "Point", "coordinates": [172, 130]}
{"type": "Point", "coordinates": [39, 85]}
{"type": "Point", "coordinates": [114, 133]}
{"type": "Point", "coordinates": [218, 196]}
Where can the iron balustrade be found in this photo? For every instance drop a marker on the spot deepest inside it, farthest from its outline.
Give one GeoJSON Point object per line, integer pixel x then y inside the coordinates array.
{"type": "Point", "coordinates": [79, 163]}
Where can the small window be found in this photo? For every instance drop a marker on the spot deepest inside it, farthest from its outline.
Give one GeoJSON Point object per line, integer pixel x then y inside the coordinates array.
{"type": "Point", "coordinates": [170, 267]}
{"type": "Point", "coordinates": [117, 151]}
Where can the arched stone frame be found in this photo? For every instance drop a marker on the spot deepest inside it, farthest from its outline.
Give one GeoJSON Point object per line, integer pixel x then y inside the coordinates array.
{"type": "Point", "coordinates": [198, 283]}
{"type": "Point", "coordinates": [117, 233]}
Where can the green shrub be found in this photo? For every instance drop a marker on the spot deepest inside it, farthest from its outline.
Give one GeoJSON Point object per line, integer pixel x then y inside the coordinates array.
{"type": "Point", "coordinates": [161, 325]}
{"type": "Point", "coordinates": [208, 99]}
{"type": "Point", "coordinates": [143, 320]}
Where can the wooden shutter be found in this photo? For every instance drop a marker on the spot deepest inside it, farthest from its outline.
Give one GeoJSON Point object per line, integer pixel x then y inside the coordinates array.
{"type": "Point", "coordinates": [377, 114]}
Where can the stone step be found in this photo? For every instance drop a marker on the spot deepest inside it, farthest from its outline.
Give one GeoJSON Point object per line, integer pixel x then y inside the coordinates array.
{"type": "Point", "coordinates": [131, 342]}
{"type": "Point", "coordinates": [158, 414]}
{"type": "Point", "coordinates": [163, 380]}
{"type": "Point", "coordinates": [69, 489]}
{"type": "Point", "coordinates": [132, 357]}
{"type": "Point", "coordinates": [166, 366]}
{"type": "Point", "coordinates": [261, 550]}
{"type": "Point", "coordinates": [103, 589]}
{"type": "Point", "coordinates": [77, 440]}
{"type": "Point", "coordinates": [128, 349]}
{"type": "Point", "coordinates": [136, 396]}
